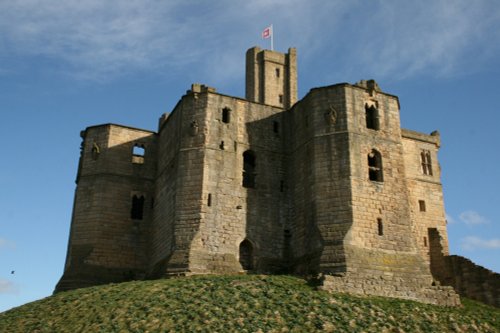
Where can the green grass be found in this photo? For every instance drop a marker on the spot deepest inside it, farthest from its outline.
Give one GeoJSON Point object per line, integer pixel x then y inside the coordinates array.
{"type": "Point", "coordinates": [253, 303]}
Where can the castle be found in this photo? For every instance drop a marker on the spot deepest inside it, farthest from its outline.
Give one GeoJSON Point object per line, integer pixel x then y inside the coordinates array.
{"type": "Point", "coordinates": [329, 184]}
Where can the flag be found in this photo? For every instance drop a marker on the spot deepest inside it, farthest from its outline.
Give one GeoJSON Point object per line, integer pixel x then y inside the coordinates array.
{"type": "Point", "coordinates": [267, 33]}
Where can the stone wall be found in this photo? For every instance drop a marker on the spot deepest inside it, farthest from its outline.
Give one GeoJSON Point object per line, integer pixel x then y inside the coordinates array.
{"type": "Point", "coordinates": [233, 213]}
{"type": "Point", "coordinates": [107, 243]}
{"type": "Point", "coordinates": [318, 178]}
{"type": "Point", "coordinates": [468, 279]}
{"type": "Point", "coordinates": [425, 190]}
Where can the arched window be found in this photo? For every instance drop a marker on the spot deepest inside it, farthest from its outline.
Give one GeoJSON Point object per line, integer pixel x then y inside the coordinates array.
{"type": "Point", "coordinates": [246, 255]}
{"type": "Point", "coordinates": [226, 115]}
{"type": "Point", "coordinates": [371, 114]}
{"type": "Point", "coordinates": [137, 210]}
{"type": "Point", "coordinates": [249, 169]}
{"type": "Point", "coordinates": [375, 166]}
{"type": "Point", "coordinates": [425, 157]}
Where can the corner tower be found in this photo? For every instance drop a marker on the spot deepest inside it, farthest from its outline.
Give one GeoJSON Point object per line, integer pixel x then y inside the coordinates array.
{"type": "Point", "coordinates": [271, 77]}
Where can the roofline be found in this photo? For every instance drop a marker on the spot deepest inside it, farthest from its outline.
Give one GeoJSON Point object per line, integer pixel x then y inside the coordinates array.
{"type": "Point", "coordinates": [123, 126]}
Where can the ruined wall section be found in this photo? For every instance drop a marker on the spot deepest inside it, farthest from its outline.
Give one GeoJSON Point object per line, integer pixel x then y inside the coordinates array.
{"type": "Point", "coordinates": [233, 213]}
{"type": "Point", "coordinates": [320, 206]}
{"type": "Point", "coordinates": [425, 189]}
{"type": "Point", "coordinates": [178, 185]}
{"type": "Point", "coordinates": [108, 242]}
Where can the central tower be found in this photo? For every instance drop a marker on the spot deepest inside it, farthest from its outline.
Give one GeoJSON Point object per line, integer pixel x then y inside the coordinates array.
{"type": "Point", "coordinates": [271, 77]}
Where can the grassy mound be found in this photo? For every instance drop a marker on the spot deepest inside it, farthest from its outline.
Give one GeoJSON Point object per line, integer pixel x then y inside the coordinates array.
{"type": "Point", "coordinates": [237, 304]}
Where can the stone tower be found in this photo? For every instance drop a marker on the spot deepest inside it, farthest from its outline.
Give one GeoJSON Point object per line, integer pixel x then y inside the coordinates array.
{"type": "Point", "coordinates": [271, 77]}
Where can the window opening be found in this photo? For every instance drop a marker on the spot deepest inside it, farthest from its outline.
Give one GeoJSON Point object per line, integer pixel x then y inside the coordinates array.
{"type": "Point", "coordinates": [246, 255]}
{"type": "Point", "coordinates": [249, 169]}
{"type": "Point", "coordinates": [277, 72]}
{"type": "Point", "coordinates": [221, 146]}
{"type": "Point", "coordinates": [375, 166]}
{"type": "Point", "coordinates": [136, 213]}
{"type": "Point", "coordinates": [281, 99]}
{"type": "Point", "coordinates": [138, 154]}
{"type": "Point", "coordinates": [372, 119]}
{"type": "Point", "coordinates": [209, 200]}
{"type": "Point", "coordinates": [421, 205]}
{"type": "Point", "coordinates": [425, 157]}
{"type": "Point", "coordinates": [276, 127]}
{"type": "Point", "coordinates": [380, 227]}
{"type": "Point", "coordinates": [226, 115]}
{"type": "Point", "coordinates": [425, 241]}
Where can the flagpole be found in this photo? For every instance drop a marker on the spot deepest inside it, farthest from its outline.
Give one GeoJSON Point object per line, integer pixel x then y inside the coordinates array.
{"type": "Point", "coordinates": [272, 38]}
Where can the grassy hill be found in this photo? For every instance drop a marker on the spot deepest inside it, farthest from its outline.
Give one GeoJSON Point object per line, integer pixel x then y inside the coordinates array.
{"type": "Point", "coordinates": [253, 303]}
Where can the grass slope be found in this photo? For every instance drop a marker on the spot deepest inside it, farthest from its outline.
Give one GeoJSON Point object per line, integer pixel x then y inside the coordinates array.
{"type": "Point", "coordinates": [252, 303]}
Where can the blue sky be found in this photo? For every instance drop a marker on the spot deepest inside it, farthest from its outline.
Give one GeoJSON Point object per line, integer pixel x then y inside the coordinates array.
{"type": "Point", "coordinates": [66, 65]}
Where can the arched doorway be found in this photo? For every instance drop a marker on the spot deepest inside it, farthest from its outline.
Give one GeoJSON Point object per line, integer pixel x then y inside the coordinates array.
{"type": "Point", "coordinates": [246, 255]}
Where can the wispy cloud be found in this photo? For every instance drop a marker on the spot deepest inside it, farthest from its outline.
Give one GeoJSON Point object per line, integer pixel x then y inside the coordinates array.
{"type": "Point", "coordinates": [472, 218]}
{"type": "Point", "coordinates": [8, 287]}
{"type": "Point", "coordinates": [6, 244]}
{"type": "Point", "coordinates": [104, 39]}
{"type": "Point", "coordinates": [472, 243]}
{"type": "Point", "coordinates": [450, 219]}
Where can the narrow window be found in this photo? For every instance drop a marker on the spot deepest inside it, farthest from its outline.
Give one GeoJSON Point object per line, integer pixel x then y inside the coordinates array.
{"type": "Point", "coordinates": [277, 72]}
{"type": "Point", "coordinates": [138, 154]}
{"type": "Point", "coordinates": [246, 255]}
{"type": "Point", "coordinates": [136, 212]}
{"type": "Point", "coordinates": [209, 200]}
{"type": "Point", "coordinates": [221, 146]}
{"type": "Point", "coordinates": [281, 99]}
{"type": "Point", "coordinates": [425, 157]}
{"type": "Point", "coordinates": [372, 120]}
{"type": "Point", "coordinates": [380, 227]}
{"type": "Point", "coordinates": [249, 169]}
{"type": "Point", "coordinates": [421, 205]}
{"type": "Point", "coordinates": [276, 127]}
{"type": "Point", "coordinates": [375, 166]}
{"type": "Point", "coordinates": [425, 241]}
{"type": "Point", "coordinates": [226, 115]}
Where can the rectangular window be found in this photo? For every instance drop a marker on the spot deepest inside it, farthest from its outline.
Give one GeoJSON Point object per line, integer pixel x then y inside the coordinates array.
{"type": "Point", "coordinates": [421, 205]}
{"type": "Point", "coordinates": [281, 99]}
{"type": "Point", "coordinates": [276, 127]}
{"type": "Point", "coordinates": [277, 72]}
{"type": "Point", "coordinates": [136, 213]}
{"type": "Point", "coordinates": [380, 227]}
{"type": "Point", "coordinates": [138, 153]}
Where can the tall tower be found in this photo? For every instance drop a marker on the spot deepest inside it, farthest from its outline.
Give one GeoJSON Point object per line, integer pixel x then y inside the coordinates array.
{"type": "Point", "coordinates": [271, 77]}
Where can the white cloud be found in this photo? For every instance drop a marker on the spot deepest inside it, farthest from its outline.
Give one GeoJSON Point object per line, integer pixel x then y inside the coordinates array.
{"type": "Point", "coordinates": [472, 243]}
{"type": "Point", "coordinates": [8, 287]}
{"type": "Point", "coordinates": [96, 39]}
{"type": "Point", "coordinates": [471, 217]}
{"type": "Point", "coordinates": [450, 219]}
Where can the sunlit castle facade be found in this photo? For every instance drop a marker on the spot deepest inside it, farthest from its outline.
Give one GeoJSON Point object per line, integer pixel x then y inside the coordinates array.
{"type": "Point", "coordinates": [329, 185]}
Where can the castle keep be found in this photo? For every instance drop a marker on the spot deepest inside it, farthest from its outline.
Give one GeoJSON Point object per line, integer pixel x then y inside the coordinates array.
{"type": "Point", "coordinates": [329, 184]}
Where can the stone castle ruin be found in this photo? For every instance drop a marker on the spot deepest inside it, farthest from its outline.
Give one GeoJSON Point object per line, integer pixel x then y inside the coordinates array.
{"type": "Point", "coordinates": [328, 185]}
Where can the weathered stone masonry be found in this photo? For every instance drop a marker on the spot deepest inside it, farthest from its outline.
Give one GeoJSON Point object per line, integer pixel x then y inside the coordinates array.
{"type": "Point", "coordinates": [327, 185]}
